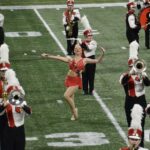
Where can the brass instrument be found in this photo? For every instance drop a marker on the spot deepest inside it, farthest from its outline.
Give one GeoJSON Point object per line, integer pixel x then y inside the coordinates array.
{"type": "Point", "coordinates": [4, 94]}
{"type": "Point", "coordinates": [15, 97]}
{"type": "Point", "coordinates": [70, 24]}
{"type": "Point", "coordinates": [132, 146]}
{"type": "Point", "coordinates": [139, 66]}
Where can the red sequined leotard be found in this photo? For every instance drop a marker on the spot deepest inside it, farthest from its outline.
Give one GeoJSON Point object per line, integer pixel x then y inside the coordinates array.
{"type": "Point", "coordinates": [74, 75]}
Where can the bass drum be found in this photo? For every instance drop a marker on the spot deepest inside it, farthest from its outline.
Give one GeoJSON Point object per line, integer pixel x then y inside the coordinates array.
{"type": "Point", "coordinates": [143, 16]}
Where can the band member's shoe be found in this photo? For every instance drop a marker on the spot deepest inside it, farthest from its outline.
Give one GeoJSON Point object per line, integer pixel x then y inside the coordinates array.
{"type": "Point", "coordinates": [90, 93]}
{"type": "Point", "coordinates": [85, 93]}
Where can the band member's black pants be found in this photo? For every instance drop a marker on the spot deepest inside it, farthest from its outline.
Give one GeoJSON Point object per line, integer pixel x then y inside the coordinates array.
{"type": "Point", "coordinates": [147, 37]}
{"type": "Point", "coordinates": [88, 77]}
{"type": "Point", "coordinates": [14, 138]}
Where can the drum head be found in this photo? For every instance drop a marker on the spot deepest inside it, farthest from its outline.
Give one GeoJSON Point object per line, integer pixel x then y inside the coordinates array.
{"type": "Point", "coordinates": [143, 16]}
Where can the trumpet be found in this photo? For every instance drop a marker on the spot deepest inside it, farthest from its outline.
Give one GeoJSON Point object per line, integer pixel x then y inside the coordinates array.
{"type": "Point", "coordinates": [139, 66]}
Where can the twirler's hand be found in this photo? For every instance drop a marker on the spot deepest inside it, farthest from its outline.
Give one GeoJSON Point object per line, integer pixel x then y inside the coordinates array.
{"type": "Point", "coordinates": [102, 49]}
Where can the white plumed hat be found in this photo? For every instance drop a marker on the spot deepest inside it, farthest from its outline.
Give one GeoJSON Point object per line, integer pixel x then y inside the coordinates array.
{"type": "Point", "coordinates": [135, 130]}
{"type": "Point", "coordinates": [87, 28]}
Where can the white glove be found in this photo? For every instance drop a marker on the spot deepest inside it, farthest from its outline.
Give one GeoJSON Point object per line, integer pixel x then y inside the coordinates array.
{"type": "Point", "coordinates": [144, 74]}
{"type": "Point", "coordinates": [131, 71]}
{"type": "Point", "coordinates": [23, 104]}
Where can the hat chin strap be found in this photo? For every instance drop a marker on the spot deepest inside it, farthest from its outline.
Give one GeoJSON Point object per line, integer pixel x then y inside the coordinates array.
{"type": "Point", "coordinates": [133, 147]}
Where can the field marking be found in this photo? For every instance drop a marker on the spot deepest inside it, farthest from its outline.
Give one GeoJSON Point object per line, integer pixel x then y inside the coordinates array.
{"type": "Point", "coordinates": [50, 31]}
{"type": "Point", "coordinates": [97, 97]}
{"type": "Point", "coordinates": [110, 116]}
{"type": "Point", "coordinates": [74, 139]}
{"type": "Point", "coordinates": [32, 139]}
{"type": "Point", "coordinates": [59, 101]}
{"type": "Point", "coordinates": [23, 34]}
{"type": "Point", "coordinates": [80, 6]}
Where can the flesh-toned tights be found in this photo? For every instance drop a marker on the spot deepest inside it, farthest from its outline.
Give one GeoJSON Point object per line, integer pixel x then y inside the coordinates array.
{"type": "Point", "coordinates": [69, 96]}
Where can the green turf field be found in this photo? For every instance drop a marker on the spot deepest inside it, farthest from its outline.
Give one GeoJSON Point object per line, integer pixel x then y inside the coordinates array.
{"type": "Point", "coordinates": [49, 127]}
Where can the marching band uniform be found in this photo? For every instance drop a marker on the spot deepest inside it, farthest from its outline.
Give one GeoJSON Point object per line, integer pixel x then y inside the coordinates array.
{"type": "Point", "coordinates": [14, 134]}
{"type": "Point", "coordinates": [4, 66]}
{"type": "Point", "coordinates": [134, 87]}
{"type": "Point", "coordinates": [3, 118]}
{"type": "Point", "coordinates": [132, 30]}
{"type": "Point", "coordinates": [71, 17]}
{"type": "Point", "coordinates": [88, 74]}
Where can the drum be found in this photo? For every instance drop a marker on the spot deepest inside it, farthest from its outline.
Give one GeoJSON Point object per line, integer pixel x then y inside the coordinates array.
{"type": "Point", "coordinates": [143, 16]}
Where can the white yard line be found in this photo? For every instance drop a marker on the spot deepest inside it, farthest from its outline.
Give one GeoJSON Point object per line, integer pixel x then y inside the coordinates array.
{"type": "Point", "coordinates": [50, 32]}
{"type": "Point", "coordinates": [101, 5]}
{"type": "Point", "coordinates": [31, 138]}
{"type": "Point", "coordinates": [97, 97]}
{"type": "Point", "coordinates": [110, 116]}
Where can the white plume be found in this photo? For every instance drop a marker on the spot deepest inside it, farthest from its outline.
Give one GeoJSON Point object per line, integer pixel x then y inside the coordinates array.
{"type": "Point", "coordinates": [12, 80]}
{"type": "Point", "coordinates": [85, 23]}
{"type": "Point", "coordinates": [4, 53]}
{"type": "Point", "coordinates": [1, 20]}
{"type": "Point", "coordinates": [130, 1]}
{"type": "Point", "coordinates": [136, 115]}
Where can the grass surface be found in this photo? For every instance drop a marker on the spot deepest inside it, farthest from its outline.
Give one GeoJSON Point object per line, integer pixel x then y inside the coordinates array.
{"type": "Point", "coordinates": [43, 80]}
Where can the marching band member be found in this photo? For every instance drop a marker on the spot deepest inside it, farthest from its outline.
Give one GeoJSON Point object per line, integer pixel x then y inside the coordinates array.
{"type": "Point", "coordinates": [135, 130]}
{"type": "Point", "coordinates": [15, 108]}
{"type": "Point", "coordinates": [4, 66]}
{"type": "Point", "coordinates": [71, 18]}
{"type": "Point", "coordinates": [134, 83]}
{"type": "Point", "coordinates": [3, 117]}
{"type": "Point", "coordinates": [73, 79]}
{"type": "Point", "coordinates": [132, 30]}
{"type": "Point", "coordinates": [89, 45]}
